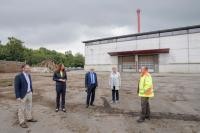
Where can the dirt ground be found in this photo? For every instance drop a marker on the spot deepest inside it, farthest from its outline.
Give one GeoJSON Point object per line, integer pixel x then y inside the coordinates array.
{"type": "Point", "coordinates": [175, 108]}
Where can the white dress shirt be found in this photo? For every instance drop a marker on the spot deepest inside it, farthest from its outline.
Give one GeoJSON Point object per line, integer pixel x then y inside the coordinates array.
{"type": "Point", "coordinates": [28, 81]}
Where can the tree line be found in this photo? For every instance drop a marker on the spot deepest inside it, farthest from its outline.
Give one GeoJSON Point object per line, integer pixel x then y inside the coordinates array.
{"type": "Point", "coordinates": [14, 50]}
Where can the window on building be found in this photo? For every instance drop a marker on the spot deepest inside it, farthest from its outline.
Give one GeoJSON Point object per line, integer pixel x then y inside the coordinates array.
{"type": "Point", "coordinates": [196, 30]}
{"type": "Point", "coordinates": [142, 37]}
{"type": "Point", "coordinates": [126, 39]}
{"type": "Point", "coordinates": [153, 35]}
{"type": "Point", "coordinates": [180, 32]}
{"type": "Point", "coordinates": [166, 34]}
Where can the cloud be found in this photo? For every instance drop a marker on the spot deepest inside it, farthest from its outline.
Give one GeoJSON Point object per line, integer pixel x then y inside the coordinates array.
{"type": "Point", "coordinates": [64, 24]}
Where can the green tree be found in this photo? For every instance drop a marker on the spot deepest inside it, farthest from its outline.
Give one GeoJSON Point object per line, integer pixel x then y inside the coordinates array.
{"type": "Point", "coordinates": [28, 55]}
{"type": "Point", "coordinates": [79, 60]}
{"type": "Point", "coordinates": [2, 52]}
{"type": "Point", "coordinates": [14, 50]}
{"type": "Point", "coordinates": [69, 62]}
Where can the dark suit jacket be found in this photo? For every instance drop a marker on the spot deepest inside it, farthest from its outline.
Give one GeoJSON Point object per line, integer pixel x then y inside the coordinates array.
{"type": "Point", "coordinates": [57, 76]}
{"type": "Point", "coordinates": [21, 85]}
{"type": "Point", "coordinates": [88, 80]}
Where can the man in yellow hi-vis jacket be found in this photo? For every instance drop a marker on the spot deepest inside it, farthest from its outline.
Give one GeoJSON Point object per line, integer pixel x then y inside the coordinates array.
{"type": "Point", "coordinates": [145, 91]}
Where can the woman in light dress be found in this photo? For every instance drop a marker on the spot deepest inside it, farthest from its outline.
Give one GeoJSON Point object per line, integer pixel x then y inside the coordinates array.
{"type": "Point", "coordinates": [115, 84]}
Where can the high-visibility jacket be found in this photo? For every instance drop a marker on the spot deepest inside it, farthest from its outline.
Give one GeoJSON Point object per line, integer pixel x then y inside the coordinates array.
{"type": "Point", "coordinates": [146, 86]}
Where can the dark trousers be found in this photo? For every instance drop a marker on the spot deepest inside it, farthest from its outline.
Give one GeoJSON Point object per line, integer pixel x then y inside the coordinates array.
{"type": "Point", "coordinates": [61, 92]}
{"type": "Point", "coordinates": [115, 94]}
{"type": "Point", "coordinates": [90, 94]}
{"type": "Point", "coordinates": [145, 108]}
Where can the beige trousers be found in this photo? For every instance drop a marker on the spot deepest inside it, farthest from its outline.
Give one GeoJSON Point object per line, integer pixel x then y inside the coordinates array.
{"type": "Point", "coordinates": [25, 108]}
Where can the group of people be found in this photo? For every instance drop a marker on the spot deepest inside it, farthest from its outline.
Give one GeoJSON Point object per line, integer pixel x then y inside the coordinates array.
{"type": "Point", "coordinates": [24, 90]}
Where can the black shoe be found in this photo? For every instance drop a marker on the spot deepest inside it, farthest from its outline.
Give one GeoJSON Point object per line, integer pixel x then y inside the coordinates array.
{"type": "Point", "coordinates": [23, 125]}
{"type": "Point", "coordinates": [64, 110]}
{"type": "Point", "coordinates": [32, 120]}
{"type": "Point", "coordinates": [57, 110]}
{"type": "Point", "coordinates": [140, 120]}
{"type": "Point", "coordinates": [148, 118]}
{"type": "Point", "coordinates": [87, 106]}
{"type": "Point", "coordinates": [92, 104]}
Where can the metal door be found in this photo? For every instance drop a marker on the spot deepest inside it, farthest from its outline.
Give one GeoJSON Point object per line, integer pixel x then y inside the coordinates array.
{"type": "Point", "coordinates": [151, 61]}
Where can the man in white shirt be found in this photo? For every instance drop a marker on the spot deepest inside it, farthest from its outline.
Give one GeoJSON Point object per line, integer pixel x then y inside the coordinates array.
{"type": "Point", "coordinates": [23, 92]}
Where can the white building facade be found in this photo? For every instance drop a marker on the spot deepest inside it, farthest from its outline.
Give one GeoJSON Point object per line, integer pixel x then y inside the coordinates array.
{"type": "Point", "coordinates": [170, 50]}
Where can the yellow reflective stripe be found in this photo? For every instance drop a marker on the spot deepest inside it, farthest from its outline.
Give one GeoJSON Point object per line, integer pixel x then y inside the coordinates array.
{"type": "Point", "coordinates": [149, 91]}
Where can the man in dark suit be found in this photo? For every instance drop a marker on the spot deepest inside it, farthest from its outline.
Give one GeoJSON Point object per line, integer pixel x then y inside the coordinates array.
{"type": "Point", "coordinates": [23, 92]}
{"type": "Point", "coordinates": [90, 84]}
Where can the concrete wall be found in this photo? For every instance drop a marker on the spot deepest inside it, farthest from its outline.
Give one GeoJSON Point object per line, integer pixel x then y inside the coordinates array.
{"type": "Point", "coordinates": [98, 54]}
{"type": "Point", "coordinates": [184, 54]}
{"type": "Point", "coordinates": [40, 69]}
{"type": "Point", "coordinates": [194, 48]}
{"type": "Point", "coordinates": [178, 48]}
{"type": "Point", "coordinates": [180, 68]}
{"type": "Point", "coordinates": [99, 67]}
{"type": "Point", "coordinates": [10, 66]}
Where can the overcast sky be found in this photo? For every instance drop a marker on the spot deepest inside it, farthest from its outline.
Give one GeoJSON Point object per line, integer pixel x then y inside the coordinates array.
{"type": "Point", "coordinates": [62, 25]}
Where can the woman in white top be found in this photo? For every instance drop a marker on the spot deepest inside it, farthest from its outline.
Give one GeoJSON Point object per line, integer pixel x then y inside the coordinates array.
{"type": "Point", "coordinates": [115, 84]}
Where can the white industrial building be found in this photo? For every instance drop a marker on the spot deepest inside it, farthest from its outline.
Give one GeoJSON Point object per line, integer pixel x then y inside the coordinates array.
{"type": "Point", "coordinates": [170, 50]}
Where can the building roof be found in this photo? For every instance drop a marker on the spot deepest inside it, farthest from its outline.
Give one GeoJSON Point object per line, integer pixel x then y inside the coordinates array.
{"type": "Point", "coordinates": [145, 33]}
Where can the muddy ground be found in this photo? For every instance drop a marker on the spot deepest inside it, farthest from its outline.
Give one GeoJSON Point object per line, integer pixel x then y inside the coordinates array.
{"type": "Point", "coordinates": [175, 108]}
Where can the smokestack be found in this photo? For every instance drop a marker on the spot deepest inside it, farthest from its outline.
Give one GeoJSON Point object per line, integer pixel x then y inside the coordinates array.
{"type": "Point", "coordinates": [138, 19]}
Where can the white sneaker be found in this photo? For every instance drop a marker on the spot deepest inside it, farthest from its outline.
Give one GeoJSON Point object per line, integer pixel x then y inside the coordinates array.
{"type": "Point", "coordinates": [117, 101]}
